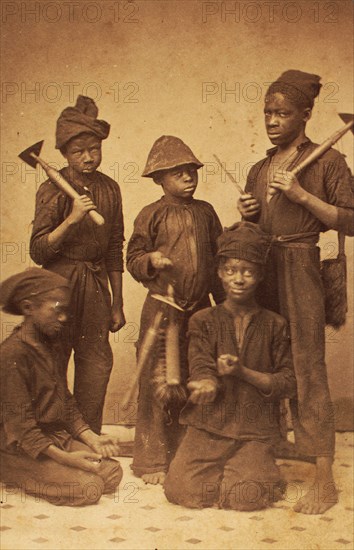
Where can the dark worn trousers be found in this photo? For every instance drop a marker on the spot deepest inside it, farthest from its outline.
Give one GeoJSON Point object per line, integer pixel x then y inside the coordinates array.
{"type": "Point", "coordinates": [87, 333]}
{"type": "Point", "coordinates": [57, 483]}
{"type": "Point", "coordinates": [158, 431]}
{"type": "Point", "coordinates": [293, 288]}
{"type": "Point", "coordinates": [209, 469]}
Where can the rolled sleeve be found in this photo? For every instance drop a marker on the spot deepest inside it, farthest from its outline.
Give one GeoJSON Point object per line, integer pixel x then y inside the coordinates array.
{"type": "Point", "coordinates": [139, 247]}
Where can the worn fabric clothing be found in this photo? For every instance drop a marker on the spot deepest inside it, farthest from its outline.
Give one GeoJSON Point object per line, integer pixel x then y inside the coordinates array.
{"type": "Point", "coordinates": [62, 485]}
{"type": "Point", "coordinates": [240, 411]}
{"type": "Point", "coordinates": [158, 431]}
{"type": "Point", "coordinates": [210, 469]}
{"type": "Point", "coordinates": [35, 398]}
{"type": "Point", "coordinates": [328, 178]}
{"type": "Point", "coordinates": [85, 257]}
{"type": "Point", "coordinates": [185, 233]}
{"type": "Point", "coordinates": [293, 286]}
{"type": "Point", "coordinates": [37, 411]}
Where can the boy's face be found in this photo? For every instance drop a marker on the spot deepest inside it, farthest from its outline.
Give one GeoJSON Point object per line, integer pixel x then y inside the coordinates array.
{"type": "Point", "coordinates": [240, 279]}
{"type": "Point", "coordinates": [180, 182]}
{"type": "Point", "coordinates": [284, 120]}
{"type": "Point", "coordinates": [50, 312]}
{"type": "Point", "coordinates": [83, 153]}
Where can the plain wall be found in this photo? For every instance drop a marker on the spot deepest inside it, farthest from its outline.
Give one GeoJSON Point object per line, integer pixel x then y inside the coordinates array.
{"type": "Point", "coordinates": [185, 68]}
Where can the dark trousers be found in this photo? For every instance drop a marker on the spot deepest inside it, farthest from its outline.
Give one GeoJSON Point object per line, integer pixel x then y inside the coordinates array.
{"type": "Point", "coordinates": [57, 483]}
{"type": "Point", "coordinates": [209, 469]}
{"type": "Point", "coordinates": [293, 288]}
{"type": "Point", "coordinates": [87, 334]}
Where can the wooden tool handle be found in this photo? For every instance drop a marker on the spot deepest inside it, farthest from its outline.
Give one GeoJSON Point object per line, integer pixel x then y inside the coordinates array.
{"type": "Point", "coordinates": [327, 144]}
{"type": "Point", "coordinates": [61, 182]}
{"type": "Point", "coordinates": [173, 374]}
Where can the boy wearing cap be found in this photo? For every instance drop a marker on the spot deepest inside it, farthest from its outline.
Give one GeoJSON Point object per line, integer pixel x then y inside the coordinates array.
{"type": "Point", "coordinates": [46, 447]}
{"type": "Point", "coordinates": [65, 240]}
{"type": "Point", "coordinates": [294, 210]}
{"type": "Point", "coordinates": [240, 367]}
{"type": "Point", "coordinates": [174, 242]}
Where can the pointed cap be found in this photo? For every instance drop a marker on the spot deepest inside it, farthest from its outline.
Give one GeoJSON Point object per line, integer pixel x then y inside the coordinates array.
{"type": "Point", "coordinates": [168, 152]}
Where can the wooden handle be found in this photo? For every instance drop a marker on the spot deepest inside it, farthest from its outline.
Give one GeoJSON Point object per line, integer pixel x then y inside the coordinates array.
{"type": "Point", "coordinates": [173, 375]}
{"type": "Point", "coordinates": [65, 186]}
{"type": "Point", "coordinates": [327, 144]}
{"type": "Point", "coordinates": [145, 351]}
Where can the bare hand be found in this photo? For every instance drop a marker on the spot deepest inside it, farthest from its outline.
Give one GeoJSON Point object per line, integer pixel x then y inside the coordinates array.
{"type": "Point", "coordinates": [81, 206]}
{"type": "Point", "coordinates": [159, 261]}
{"type": "Point", "coordinates": [117, 318]}
{"type": "Point", "coordinates": [84, 460]}
{"type": "Point", "coordinates": [105, 445]}
{"type": "Point", "coordinates": [248, 206]}
{"type": "Point", "coordinates": [228, 365]}
{"type": "Point", "coordinates": [288, 183]}
{"type": "Point", "coordinates": [202, 391]}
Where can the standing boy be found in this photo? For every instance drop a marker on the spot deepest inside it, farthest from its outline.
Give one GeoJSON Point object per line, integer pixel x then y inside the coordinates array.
{"type": "Point", "coordinates": [67, 241]}
{"type": "Point", "coordinates": [174, 242]}
{"type": "Point", "coordinates": [46, 447]}
{"type": "Point", "coordinates": [294, 210]}
{"type": "Point", "coordinates": [240, 367]}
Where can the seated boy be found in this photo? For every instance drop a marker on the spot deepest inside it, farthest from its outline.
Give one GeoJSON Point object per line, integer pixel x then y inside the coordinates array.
{"type": "Point", "coordinates": [46, 448]}
{"type": "Point", "coordinates": [240, 367]}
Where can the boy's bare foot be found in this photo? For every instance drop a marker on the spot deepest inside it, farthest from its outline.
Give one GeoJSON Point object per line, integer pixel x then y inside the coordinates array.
{"type": "Point", "coordinates": [155, 478]}
{"type": "Point", "coordinates": [323, 494]}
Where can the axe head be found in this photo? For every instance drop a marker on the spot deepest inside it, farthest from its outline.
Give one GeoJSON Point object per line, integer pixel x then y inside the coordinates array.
{"type": "Point", "coordinates": [347, 117]}
{"type": "Point", "coordinates": [26, 155]}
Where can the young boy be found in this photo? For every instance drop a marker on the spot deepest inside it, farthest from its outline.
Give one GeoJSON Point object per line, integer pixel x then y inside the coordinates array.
{"type": "Point", "coordinates": [240, 367]}
{"type": "Point", "coordinates": [174, 242]}
{"type": "Point", "coordinates": [66, 240]}
{"type": "Point", "coordinates": [46, 448]}
{"type": "Point", "coordinates": [294, 210]}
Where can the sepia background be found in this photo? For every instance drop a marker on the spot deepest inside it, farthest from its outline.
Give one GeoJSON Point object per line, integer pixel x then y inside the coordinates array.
{"type": "Point", "coordinates": [197, 70]}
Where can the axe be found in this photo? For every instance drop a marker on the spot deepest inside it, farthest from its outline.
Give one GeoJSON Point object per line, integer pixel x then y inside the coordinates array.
{"type": "Point", "coordinates": [31, 157]}
{"type": "Point", "coordinates": [347, 118]}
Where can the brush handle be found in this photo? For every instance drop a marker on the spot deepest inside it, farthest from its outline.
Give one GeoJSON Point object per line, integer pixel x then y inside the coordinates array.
{"type": "Point", "coordinates": [65, 186]}
{"type": "Point", "coordinates": [173, 375]}
{"type": "Point", "coordinates": [145, 351]}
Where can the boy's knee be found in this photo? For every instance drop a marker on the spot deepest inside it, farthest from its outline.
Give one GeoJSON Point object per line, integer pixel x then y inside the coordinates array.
{"type": "Point", "coordinates": [250, 495]}
{"type": "Point", "coordinates": [182, 490]}
{"type": "Point", "coordinates": [113, 476]}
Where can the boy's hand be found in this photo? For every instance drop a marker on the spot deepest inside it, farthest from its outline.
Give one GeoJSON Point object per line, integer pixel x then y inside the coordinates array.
{"type": "Point", "coordinates": [288, 183]}
{"type": "Point", "coordinates": [228, 365]}
{"type": "Point", "coordinates": [105, 445]}
{"type": "Point", "coordinates": [202, 391]}
{"type": "Point", "coordinates": [84, 460]}
{"type": "Point", "coordinates": [159, 261]}
{"type": "Point", "coordinates": [117, 318]}
{"type": "Point", "coordinates": [248, 206]}
{"type": "Point", "coordinates": [81, 206]}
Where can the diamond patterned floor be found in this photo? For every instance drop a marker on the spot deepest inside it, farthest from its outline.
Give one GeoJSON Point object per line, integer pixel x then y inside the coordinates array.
{"type": "Point", "coordinates": [139, 517]}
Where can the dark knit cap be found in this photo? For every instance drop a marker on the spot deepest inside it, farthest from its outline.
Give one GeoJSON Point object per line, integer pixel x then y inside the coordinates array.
{"type": "Point", "coordinates": [27, 284]}
{"type": "Point", "coordinates": [168, 152]}
{"type": "Point", "coordinates": [244, 241]}
{"type": "Point", "coordinates": [301, 88]}
{"type": "Point", "coordinates": [80, 119]}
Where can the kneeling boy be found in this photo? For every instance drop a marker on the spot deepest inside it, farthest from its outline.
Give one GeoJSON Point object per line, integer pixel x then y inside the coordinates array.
{"type": "Point", "coordinates": [46, 448]}
{"type": "Point", "coordinates": [240, 367]}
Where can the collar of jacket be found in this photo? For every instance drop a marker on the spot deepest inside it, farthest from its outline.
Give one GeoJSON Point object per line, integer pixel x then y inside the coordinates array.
{"type": "Point", "coordinates": [303, 145]}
